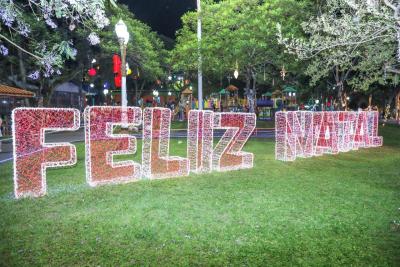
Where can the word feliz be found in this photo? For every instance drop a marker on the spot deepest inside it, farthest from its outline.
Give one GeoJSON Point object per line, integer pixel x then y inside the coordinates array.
{"type": "Point", "coordinates": [32, 155]}
{"type": "Point", "coordinates": [307, 134]}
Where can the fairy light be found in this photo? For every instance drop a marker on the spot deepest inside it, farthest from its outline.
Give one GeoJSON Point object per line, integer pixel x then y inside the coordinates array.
{"type": "Point", "coordinates": [156, 161]}
{"type": "Point", "coordinates": [102, 145]}
{"type": "Point", "coordinates": [228, 154]}
{"type": "Point", "coordinates": [306, 134]}
{"type": "Point", "coordinates": [32, 155]}
{"type": "Point", "coordinates": [236, 72]}
{"type": "Point", "coordinates": [200, 140]}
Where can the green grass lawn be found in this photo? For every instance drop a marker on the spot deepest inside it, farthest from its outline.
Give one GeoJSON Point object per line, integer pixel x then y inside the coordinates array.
{"type": "Point", "coordinates": [330, 210]}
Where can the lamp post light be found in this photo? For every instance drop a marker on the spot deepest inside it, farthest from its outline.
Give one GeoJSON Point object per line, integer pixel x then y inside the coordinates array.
{"type": "Point", "coordinates": [123, 37]}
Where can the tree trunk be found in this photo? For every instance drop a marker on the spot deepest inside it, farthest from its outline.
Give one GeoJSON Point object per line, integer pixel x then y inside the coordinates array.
{"type": "Point", "coordinates": [136, 91]}
{"type": "Point", "coordinates": [49, 95]}
{"type": "Point", "coordinates": [340, 86]}
{"type": "Point", "coordinates": [22, 69]}
{"type": "Point", "coordinates": [254, 76]}
{"type": "Point", "coordinates": [250, 92]}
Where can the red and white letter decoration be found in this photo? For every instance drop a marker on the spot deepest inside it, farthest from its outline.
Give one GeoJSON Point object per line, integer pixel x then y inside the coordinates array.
{"type": "Point", "coordinates": [102, 144]}
{"type": "Point", "coordinates": [306, 134]}
{"type": "Point", "coordinates": [157, 164]}
{"type": "Point", "coordinates": [200, 140]}
{"type": "Point", "coordinates": [32, 156]}
{"type": "Point", "coordinates": [228, 154]}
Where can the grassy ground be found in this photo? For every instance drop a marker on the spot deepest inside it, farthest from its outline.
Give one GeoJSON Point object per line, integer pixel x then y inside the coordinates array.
{"type": "Point", "coordinates": [331, 210]}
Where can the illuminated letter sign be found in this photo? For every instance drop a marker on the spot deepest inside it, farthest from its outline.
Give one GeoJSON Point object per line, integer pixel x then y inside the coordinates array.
{"type": "Point", "coordinates": [157, 163]}
{"type": "Point", "coordinates": [228, 154]}
{"type": "Point", "coordinates": [305, 134]}
{"type": "Point", "coordinates": [102, 144]}
{"type": "Point", "coordinates": [32, 155]}
{"type": "Point", "coordinates": [200, 140]}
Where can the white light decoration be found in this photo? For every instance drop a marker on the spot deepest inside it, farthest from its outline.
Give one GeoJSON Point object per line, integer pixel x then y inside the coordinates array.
{"type": "Point", "coordinates": [122, 31]}
{"type": "Point", "coordinates": [200, 140]}
{"type": "Point", "coordinates": [94, 61]}
{"type": "Point", "coordinates": [102, 145]}
{"type": "Point", "coordinates": [169, 93]}
{"type": "Point", "coordinates": [32, 155]}
{"type": "Point", "coordinates": [306, 134]}
{"type": "Point", "coordinates": [236, 74]}
{"type": "Point", "coordinates": [105, 91]}
{"type": "Point", "coordinates": [228, 154]}
{"type": "Point", "coordinates": [91, 85]}
{"type": "Point", "coordinates": [156, 162]}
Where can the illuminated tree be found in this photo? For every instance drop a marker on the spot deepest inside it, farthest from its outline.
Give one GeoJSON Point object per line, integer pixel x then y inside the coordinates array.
{"type": "Point", "coordinates": [21, 21]}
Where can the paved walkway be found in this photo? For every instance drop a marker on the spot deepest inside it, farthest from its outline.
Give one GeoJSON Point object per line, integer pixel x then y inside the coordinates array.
{"type": "Point", "coordinates": [6, 153]}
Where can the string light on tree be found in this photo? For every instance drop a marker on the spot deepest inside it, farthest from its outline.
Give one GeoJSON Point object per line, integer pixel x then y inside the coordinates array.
{"type": "Point", "coordinates": [283, 72]}
{"type": "Point", "coordinates": [236, 72]}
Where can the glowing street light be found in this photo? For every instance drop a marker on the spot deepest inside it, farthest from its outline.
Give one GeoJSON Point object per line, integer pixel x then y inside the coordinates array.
{"type": "Point", "coordinates": [123, 37]}
{"type": "Point", "coordinates": [236, 74]}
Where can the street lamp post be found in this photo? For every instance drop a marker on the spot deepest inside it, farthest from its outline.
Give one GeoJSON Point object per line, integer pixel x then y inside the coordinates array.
{"type": "Point", "coordinates": [200, 73]}
{"type": "Point", "coordinates": [123, 38]}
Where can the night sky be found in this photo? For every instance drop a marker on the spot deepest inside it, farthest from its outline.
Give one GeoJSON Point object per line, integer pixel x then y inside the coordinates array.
{"type": "Point", "coordinates": [162, 15]}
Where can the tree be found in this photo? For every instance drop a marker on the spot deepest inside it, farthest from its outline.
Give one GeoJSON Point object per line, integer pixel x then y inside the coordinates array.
{"type": "Point", "coordinates": [145, 52]}
{"type": "Point", "coordinates": [352, 41]}
{"type": "Point", "coordinates": [238, 34]}
{"type": "Point", "coordinates": [21, 20]}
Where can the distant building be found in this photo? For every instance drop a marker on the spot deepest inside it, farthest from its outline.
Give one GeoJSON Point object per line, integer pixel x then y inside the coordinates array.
{"type": "Point", "coordinates": [68, 95]}
{"type": "Point", "coordinates": [12, 97]}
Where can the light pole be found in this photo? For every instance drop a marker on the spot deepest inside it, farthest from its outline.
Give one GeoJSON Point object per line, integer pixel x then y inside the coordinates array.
{"type": "Point", "coordinates": [200, 73]}
{"type": "Point", "coordinates": [123, 38]}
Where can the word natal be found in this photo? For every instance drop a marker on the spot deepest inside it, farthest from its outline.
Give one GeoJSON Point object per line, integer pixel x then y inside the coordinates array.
{"type": "Point", "coordinates": [307, 134]}
{"type": "Point", "coordinates": [32, 155]}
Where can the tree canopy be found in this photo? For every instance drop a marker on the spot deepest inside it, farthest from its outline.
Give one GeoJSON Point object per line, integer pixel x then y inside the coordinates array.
{"type": "Point", "coordinates": [239, 34]}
